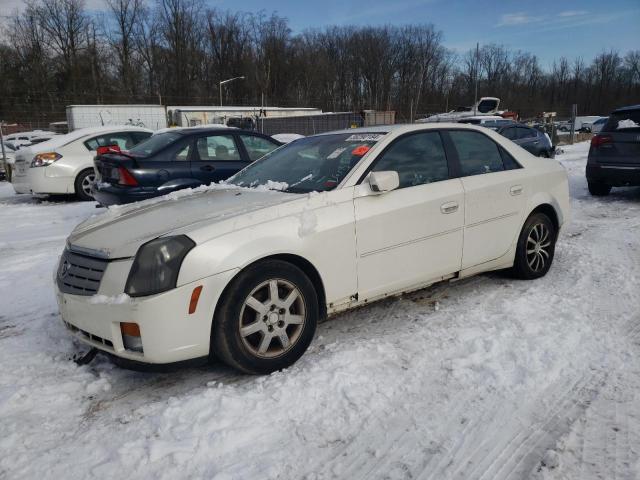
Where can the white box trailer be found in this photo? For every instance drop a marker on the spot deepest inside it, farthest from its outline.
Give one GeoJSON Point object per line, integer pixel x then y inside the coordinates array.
{"type": "Point", "coordinates": [153, 117]}
{"type": "Point", "coordinates": [190, 116]}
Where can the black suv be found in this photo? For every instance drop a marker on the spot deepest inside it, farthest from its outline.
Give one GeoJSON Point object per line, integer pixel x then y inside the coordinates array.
{"type": "Point", "coordinates": [176, 159]}
{"type": "Point", "coordinates": [614, 155]}
{"type": "Point", "coordinates": [531, 139]}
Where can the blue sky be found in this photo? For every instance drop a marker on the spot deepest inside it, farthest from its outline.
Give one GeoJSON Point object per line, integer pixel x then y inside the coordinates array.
{"type": "Point", "coordinates": [546, 28]}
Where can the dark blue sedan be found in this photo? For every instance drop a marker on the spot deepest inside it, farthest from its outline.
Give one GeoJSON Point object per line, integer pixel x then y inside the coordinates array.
{"type": "Point", "coordinates": [176, 159]}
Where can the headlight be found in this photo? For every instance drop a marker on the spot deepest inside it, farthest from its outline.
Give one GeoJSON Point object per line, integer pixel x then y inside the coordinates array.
{"type": "Point", "coordinates": [157, 264]}
{"type": "Point", "coordinates": [44, 159]}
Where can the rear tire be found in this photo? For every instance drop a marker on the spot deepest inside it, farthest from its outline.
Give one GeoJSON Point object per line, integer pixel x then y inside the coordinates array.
{"type": "Point", "coordinates": [536, 248]}
{"type": "Point", "coordinates": [266, 319]}
{"type": "Point", "coordinates": [599, 189]}
{"type": "Point", "coordinates": [83, 183]}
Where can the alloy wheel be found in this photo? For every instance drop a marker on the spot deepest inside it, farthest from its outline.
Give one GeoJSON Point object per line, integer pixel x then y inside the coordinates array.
{"type": "Point", "coordinates": [538, 247]}
{"type": "Point", "coordinates": [86, 184]}
{"type": "Point", "coordinates": [272, 318]}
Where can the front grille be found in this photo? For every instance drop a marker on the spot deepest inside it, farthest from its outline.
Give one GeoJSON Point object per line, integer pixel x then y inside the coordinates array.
{"type": "Point", "coordinates": [80, 275]}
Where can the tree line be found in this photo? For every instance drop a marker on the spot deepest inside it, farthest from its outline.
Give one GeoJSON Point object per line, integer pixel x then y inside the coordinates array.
{"type": "Point", "coordinates": [175, 52]}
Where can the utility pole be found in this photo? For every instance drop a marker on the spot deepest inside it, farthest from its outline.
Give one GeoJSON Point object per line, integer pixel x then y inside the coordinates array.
{"type": "Point", "coordinates": [574, 114]}
{"type": "Point", "coordinates": [475, 98]}
{"type": "Point", "coordinates": [227, 81]}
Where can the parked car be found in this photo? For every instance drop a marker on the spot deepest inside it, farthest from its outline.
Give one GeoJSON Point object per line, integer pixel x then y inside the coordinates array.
{"type": "Point", "coordinates": [64, 164]}
{"type": "Point", "coordinates": [531, 139]}
{"type": "Point", "coordinates": [18, 140]}
{"type": "Point", "coordinates": [246, 273]}
{"type": "Point", "coordinates": [494, 122]}
{"type": "Point", "coordinates": [10, 158]}
{"type": "Point", "coordinates": [598, 124]}
{"type": "Point", "coordinates": [614, 155]}
{"type": "Point", "coordinates": [177, 159]}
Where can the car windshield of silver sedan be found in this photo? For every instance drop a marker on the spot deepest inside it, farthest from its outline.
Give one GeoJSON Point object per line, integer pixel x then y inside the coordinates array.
{"type": "Point", "coordinates": [311, 164]}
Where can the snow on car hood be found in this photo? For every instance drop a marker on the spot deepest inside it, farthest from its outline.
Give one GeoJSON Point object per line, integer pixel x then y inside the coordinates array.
{"type": "Point", "coordinates": [119, 232]}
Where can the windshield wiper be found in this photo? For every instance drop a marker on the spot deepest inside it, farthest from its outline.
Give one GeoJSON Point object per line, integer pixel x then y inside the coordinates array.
{"type": "Point", "coordinates": [296, 190]}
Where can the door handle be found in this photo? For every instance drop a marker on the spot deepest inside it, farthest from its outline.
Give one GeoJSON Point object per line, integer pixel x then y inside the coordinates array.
{"type": "Point", "coordinates": [515, 190]}
{"type": "Point", "coordinates": [207, 168]}
{"type": "Point", "coordinates": [449, 207]}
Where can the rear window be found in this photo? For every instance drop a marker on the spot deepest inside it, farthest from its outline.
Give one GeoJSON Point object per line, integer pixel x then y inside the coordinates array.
{"type": "Point", "coordinates": [628, 121]}
{"type": "Point", "coordinates": [154, 144]}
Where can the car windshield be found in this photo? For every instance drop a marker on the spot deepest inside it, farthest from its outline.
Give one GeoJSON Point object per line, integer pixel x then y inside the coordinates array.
{"type": "Point", "coordinates": [154, 144]}
{"type": "Point", "coordinates": [308, 164]}
{"type": "Point", "coordinates": [9, 147]}
{"type": "Point", "coordinates": [627, 121]}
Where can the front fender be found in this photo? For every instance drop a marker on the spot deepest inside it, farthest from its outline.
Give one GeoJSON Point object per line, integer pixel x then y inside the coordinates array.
{"type": "Point", "coordinates": [324, 237]}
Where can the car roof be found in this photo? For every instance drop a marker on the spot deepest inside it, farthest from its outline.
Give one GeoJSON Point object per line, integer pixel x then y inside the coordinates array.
{"type": "Point", "coordinates": [400, 128]}
{"type": "Point", "coordinates": [627, 109]}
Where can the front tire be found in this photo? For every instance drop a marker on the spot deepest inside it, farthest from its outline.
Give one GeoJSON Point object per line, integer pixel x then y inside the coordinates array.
{"type": "Point", "coordinates": [267, 318]}
{"type": "Point", "coordinates": [83, 183]}
{"type": "Point", "coordinates": [599, 189]}
{"type": "Point", "coordinates": [536, 247]}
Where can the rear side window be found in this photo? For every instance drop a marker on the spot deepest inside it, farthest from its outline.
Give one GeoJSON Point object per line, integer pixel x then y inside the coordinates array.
{"type": "Point", "coordinates": [628, 121]}
{"type": "Point", "coordinates": [510, 133]}
{"type": "Point", "coordinates": [121, 139]}
{"type": "Point", "coordinates": [139, 136]}
{"type": "Point", "coordinates": [526, 132]}
{"type": "Point", "coordinates": [477, 153]}
{"type": "Point", "coordinates": [257, 147]}
{"type": "Point", "coordinates": [418, 159]}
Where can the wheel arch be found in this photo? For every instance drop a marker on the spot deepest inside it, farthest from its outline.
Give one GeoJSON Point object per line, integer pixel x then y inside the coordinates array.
{"type": "Point", "coordinates": [302, 263]}
{"type": "Point", "coordinates": [549, 211]}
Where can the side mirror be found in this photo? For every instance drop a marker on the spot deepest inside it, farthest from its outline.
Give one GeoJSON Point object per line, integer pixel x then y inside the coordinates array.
{"type": "Point", "coordinates": [381, 182]}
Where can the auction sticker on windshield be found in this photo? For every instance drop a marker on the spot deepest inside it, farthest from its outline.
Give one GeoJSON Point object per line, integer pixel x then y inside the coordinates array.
{"type": "Point", "coordinates": [365, 137]}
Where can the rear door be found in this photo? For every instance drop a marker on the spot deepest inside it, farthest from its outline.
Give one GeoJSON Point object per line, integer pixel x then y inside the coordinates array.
{"type": "Point", "coordinates": [168, 169]}
{"type": "Point", "coordinates": [528, 139]}
{"type": "Point", "coordinates": [494, 195]}
{"type": "Point", "coordinates": [216, 157]}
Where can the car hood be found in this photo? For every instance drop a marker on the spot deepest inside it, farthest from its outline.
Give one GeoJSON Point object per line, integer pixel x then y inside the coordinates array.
{"type": "Point", "coordinates": [119, 232]}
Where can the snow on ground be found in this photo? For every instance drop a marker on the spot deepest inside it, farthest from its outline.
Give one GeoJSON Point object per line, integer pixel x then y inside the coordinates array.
{"type": "Point", "coordinates": [486, 378]}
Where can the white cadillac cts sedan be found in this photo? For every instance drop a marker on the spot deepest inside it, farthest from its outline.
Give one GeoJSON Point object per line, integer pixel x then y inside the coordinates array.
{"type": "Point", "coordinates": [243, 271]}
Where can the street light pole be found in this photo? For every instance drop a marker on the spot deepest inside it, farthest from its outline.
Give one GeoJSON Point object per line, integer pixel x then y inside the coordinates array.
{"type": "Point", "coordinates": [227, 81]}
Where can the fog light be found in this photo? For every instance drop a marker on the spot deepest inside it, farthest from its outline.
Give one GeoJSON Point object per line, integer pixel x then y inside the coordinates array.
{"type": "Point", "coordinates": [131, 336]}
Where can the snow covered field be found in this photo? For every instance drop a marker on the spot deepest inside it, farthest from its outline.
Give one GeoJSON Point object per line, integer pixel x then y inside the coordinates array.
{"type": "Point", "coordinates": [487, 378]}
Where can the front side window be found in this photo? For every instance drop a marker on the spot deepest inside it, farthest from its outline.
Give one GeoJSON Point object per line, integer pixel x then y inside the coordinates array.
{"type": "Point", "coordinates": [122, 140]}
{"type": "Point", "coordinates": [418, 159]}
{"type": "Point", "coordinates": [257, 147]}
{"type": "Point", "coordinates": [309, 164]}
{"type": "Point", "coordinates": [217, 147]}
{"type": "Point", "coordinates": [477, 153]}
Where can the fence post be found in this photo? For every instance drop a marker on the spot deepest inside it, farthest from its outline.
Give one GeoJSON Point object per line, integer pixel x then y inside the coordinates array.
{"type": "Point", "coordinates": [4, 154]}
{"type": "Point", "coordinates": [574, 114]}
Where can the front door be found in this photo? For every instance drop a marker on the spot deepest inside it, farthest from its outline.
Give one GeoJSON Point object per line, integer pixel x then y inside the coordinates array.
{"type": "Point", "coordinates": [413, 234]}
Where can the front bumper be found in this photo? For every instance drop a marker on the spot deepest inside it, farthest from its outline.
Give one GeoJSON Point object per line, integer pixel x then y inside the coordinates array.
{"type": "Point", "coordinates": [169, 333]}
{"type": "Point", "coordinates": [614, 175]}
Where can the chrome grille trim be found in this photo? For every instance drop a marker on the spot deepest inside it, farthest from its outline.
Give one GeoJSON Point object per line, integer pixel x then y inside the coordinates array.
{"type": "Point", "coordinates": [79, 274]}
